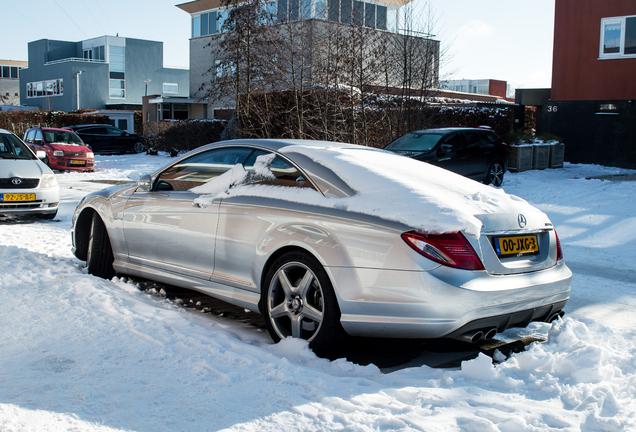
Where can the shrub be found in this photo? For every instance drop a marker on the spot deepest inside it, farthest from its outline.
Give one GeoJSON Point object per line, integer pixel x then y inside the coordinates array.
{"type": "Point", "coordinates": [179, 136]}
{"type": "Point", "coordinates": [19, 121]}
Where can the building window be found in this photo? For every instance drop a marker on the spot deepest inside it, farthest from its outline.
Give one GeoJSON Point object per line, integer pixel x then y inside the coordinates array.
{"type": "Point", "coordinates": [208, 23]}
{"type": "Point", "coordinates": [607, 107]}
{"type": "Point", "coordinates": [224, 70]}
{"type": "Point", "coordinates": [618, 37]}
{"type": "Point", "coordinates": [170, 88]}
{"type": "Point", "coordinates": [117, 68]}
{"type": "Point", "coordinates": [45, 88]}
{"type": "Point", "coordinates": [117, 88]}
{"type": "Point", "coordinates": [9, 71]}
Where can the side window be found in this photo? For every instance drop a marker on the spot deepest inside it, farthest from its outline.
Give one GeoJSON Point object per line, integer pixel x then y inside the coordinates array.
{"type": "Point", "coordinates": [38, 136]}
{"type": "Point", "coordinates": [285, 173]}
{"type": "Point", "coordinates": [473, 139]}
{"type": "Point", "coordinates": [491, 137]}
{"type": "Point", "coordinates": [96, 131]}
{"type": "Point", "coordinates": [29, 136]}
{"type": "Point", "coordinates": [200, 169]}
{"type": "Point", "coordinates": [455, 141]}
{"type": "Point", "coordinates": [115, 132]}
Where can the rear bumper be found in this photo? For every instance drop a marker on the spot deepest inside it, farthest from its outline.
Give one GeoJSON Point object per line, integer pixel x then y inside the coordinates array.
{"type": "Point", "coordinates": [445, 302]}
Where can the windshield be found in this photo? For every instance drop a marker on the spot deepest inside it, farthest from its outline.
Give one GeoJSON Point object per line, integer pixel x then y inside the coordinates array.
{"type": "Point", "coordinates": [12, 148]}
{"type": "Point", "coordinates": [415, 141]}
{"type": "Point", "coordinates": [62, 137]}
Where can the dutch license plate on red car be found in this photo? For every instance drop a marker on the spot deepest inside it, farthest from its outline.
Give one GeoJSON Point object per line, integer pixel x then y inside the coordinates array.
{"type": "Point", "coordinates": [516, 245]}
{"type": "Point", "coordinates": [17, 197]}
{"type": "Point", "coordinates": [77, 162]}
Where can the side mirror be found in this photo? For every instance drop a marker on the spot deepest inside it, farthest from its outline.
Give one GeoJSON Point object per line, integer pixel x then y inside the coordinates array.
{"type": "Point", "coordinates": [41, 154]}
{"type": "Point", "coordinates": [144, 183]}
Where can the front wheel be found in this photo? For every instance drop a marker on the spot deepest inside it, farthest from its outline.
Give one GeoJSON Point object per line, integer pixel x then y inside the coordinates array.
{"type": "Point", "coordinates": [299, 301]}
{"type": "Point", "coordinates": [99, 256]}
{"type": "Point", "coordinates": [495, 174]}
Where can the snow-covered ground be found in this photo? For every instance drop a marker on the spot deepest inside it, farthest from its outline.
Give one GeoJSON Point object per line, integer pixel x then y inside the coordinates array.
{"type": "Point", "coordinates": [84, 354]}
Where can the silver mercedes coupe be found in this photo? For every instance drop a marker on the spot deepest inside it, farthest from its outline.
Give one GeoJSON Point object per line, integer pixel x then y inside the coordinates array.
{"type": "Point", "coordinates": [328, 240]}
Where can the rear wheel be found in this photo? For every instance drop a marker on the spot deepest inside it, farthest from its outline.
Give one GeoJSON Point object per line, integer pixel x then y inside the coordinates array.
{"type": "Point", "coordinates": [99, 256]}
{"type": "Point", "coordinates": [138, 147]}
{"type": "Point", "coordinates": [300, 302]}
{"type": "Point", "coordinates": [495, 174]}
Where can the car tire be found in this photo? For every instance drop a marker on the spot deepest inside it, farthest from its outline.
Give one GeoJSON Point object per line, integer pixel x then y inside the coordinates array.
{"type": "Point", "coordinates": [495, 174]}
{"type": "Point", "coordinates": [138, 147]}
{"type": "Point", "coordinates": [299, 301]}
{"type": "Point", "coordinates": [99, 255]}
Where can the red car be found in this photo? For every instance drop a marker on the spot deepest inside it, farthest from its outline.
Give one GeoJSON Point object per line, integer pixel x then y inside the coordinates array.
{"type": "Point", "coordinates": [65, 151]}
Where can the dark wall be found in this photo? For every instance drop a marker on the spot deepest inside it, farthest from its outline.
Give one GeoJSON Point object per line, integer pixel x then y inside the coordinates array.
{"type": "Point", "coordinates": [589, 137]}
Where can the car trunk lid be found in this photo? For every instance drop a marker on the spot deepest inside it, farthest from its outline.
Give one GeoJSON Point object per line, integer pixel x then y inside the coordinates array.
{"type": "Point", "coordinates": [512, 243]}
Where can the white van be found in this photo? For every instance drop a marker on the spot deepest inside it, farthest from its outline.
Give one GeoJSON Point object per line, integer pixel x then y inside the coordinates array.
{"type": "Point", "coordinates": [27, 185]}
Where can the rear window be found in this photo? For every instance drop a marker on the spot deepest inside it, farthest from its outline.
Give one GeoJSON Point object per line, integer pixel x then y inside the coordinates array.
{"type": "Point", "coordinates": [415, 141]}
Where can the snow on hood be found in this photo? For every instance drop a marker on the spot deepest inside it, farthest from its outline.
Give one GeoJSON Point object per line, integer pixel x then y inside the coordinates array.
{"type": "Point", "coordinates": [387, 185]}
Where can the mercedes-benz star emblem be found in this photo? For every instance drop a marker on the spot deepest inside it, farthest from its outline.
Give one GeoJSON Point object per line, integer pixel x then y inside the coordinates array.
{"type": "Point", "coordinates": [522, 221]}
{"type": "Point", "coordinates": [16, 181]}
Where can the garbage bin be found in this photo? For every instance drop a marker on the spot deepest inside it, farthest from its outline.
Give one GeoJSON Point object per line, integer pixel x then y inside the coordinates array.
{"type": "Point", "coordinates": [520, 157]}
{"type": "Point", "coordinates": [557, 150]}
{"type": "Point", "coordinates": [540, 156]}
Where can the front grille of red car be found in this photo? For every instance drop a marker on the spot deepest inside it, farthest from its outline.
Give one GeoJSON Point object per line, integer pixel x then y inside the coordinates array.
{"type": "Point", "coordinates": [26, 183]}
{"type": "Point", "coordinates": [83, 155]}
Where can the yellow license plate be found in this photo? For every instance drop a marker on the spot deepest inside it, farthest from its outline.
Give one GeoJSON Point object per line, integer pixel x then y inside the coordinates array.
{"type": "Point", "coordinates": [17, 197]}
{"type": "Point", "coordinates": [77, 162]}
{"type": "Point", "coordinates": [518, 245]}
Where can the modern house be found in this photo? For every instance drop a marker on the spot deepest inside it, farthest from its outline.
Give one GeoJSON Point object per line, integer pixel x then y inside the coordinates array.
{"type": "Point", "coordinates": [478, 86]}
{"type": "Point", "coordinates": [592, 104]}
{"type": "Point", "coordinates": [317, 17]}
{"type": "Point", "coordinates": [104, 73]}
{"type": "Point", "coordinates": [10, 81]}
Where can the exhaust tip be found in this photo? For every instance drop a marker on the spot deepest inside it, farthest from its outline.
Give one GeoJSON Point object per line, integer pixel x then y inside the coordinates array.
{"type": "Point", "coordinates": [490, 333]}
{"type": "Point", "coordinates": [471, 336]}
{"type": "Point", "coordinates": [555, 316]}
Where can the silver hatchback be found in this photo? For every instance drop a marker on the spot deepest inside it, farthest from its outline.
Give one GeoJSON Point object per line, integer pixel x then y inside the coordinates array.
{"type": "Point", "coordinates": [328, 240]}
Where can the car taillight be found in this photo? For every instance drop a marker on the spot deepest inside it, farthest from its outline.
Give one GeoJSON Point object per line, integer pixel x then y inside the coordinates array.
{"type": "Point", "coordinates": [450, 249]}
{"type": "Point", "coordinates": [507, 148]}
{"type": "Point", "coordinates": [559, 250]}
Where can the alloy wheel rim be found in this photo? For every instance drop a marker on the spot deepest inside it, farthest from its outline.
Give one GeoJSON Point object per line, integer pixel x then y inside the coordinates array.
{"type": "Point", "coordinates": [295, 302]}
{"type": "Point", "coordinates": [496, 175]}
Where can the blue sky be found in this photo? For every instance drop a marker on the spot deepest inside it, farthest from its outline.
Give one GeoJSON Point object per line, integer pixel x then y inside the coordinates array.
{"type": "Point", "coordinates": [509, 40]}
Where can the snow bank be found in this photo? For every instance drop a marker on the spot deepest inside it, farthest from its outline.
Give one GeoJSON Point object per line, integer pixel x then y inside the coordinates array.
{"type": "Point", "coordinates": [84, 354]}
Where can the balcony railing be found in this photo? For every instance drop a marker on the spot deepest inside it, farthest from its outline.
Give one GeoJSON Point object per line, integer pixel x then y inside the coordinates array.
{"type": "Point", "coordinates": [74, 59]}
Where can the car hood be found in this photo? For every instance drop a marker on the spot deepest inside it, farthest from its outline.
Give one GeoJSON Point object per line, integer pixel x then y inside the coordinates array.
{"type": "Point", "coordinates": [71, 148]}
{"type": "Point", "coordinates": [22, 168]}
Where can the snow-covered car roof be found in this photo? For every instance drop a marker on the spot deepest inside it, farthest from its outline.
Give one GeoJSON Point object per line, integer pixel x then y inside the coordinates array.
{"type": "Point", "coordinates": [386, 185]}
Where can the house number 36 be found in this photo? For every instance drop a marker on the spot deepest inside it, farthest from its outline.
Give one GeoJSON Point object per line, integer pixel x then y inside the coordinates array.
{"type": "Point", "coordinates": [552, 108]}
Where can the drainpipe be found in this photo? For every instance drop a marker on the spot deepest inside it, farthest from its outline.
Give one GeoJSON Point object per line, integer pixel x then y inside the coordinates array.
{"type": "Point", "coordinates": [77, 87]}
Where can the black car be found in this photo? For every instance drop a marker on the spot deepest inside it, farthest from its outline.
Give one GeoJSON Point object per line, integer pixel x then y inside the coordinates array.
{"type": "Point", "coordinates": [476, 153]}
{"type": "Point", "coordinates": [104, 138]}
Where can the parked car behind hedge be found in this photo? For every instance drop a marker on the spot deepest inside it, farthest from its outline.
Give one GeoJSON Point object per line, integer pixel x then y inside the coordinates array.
{"type": "Point", "coordinates": [476, 153]}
